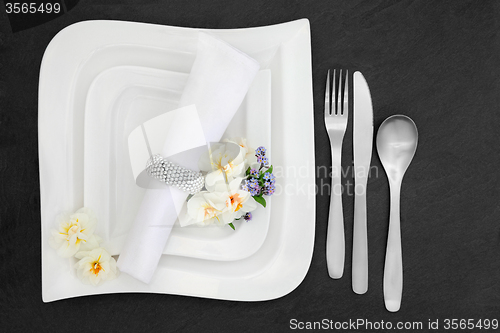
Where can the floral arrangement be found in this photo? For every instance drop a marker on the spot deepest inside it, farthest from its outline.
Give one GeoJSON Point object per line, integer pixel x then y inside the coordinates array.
{"type": "Point", "coordinates": [75, 238]}
{"type": "Point", "coordinates": [237, 178]}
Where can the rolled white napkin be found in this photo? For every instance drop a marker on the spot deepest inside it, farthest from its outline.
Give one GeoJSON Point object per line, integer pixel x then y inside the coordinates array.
{"type": "Point", "coordinates": [219, 80]}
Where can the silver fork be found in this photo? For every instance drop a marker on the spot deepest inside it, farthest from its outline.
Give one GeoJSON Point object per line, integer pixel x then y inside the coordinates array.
{"type": "Point", "coordinates": [336, 124]}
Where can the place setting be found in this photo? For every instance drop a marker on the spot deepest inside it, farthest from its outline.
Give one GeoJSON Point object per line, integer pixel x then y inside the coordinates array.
{"type": "Point", "coordinates": [181, 161]}
{"type": "Point", "coordinates": [396, 143]}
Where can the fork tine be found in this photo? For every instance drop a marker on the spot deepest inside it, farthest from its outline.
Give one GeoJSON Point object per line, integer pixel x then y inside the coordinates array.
{"type": "Point", "coordinates": [338, 110]}
{"type": "Point", "coordinates": [345, 110]}
{"type": "Point", "coordinates": [327, 94]}
{"type": "Point", "coordinates": [334, 89]}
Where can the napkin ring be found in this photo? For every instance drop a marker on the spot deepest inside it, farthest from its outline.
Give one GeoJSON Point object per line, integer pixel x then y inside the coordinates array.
{"type": "Point", "coordinates": [173, 174]}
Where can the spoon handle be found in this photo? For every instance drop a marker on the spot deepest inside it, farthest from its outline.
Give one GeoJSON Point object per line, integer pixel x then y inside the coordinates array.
{"type": "Point", "coordinates": [393, 271]}
{"type": "Point", "coordinates": [335, 240]}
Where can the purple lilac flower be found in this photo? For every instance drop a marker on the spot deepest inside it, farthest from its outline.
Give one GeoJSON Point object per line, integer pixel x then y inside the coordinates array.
{"type": "Point", "coordinates": [269, 183]}
{"type": "Point", "coordinates": [269, 190]}
{"type": "Point", "coordinates": [251, 185]}
{"type": "Point", "coordinates": [254, 172]}
{"type": "Point", "coordinates": [248, 216]}
{"type": "Point", "coordinates": [255, 191]}
{"type": "Point", "coordinates": [263, 160]}
{"type": "Point", "coordinates": [261, 151]}
{"type": "Point", "coordinates": [269, 178]}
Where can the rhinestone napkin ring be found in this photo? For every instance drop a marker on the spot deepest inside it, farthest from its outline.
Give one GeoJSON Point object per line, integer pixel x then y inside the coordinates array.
{"type": "Point", "coordinates": [174, 174]}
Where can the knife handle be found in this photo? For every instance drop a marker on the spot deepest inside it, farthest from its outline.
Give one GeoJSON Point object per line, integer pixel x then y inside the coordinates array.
{"type": "Point", "coordinates": [360, 242]}
{"type": "Point", "coordinates": [335, 240]}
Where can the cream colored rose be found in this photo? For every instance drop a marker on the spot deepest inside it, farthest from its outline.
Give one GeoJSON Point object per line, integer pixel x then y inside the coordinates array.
{"type": "Point", "coordinates": [237, 201]}
{"type": "Point", "coordinates": [226, 203]}
{"type": "Point", "coordinates": [96, 266]}
{"type": "Point", "coordinates": [205, 208]}
{"type": "Point", "coordinates": [248, 152]}
{"type": "Point", "coordinates": [75, 233]}
{"type": "Point", "coordinates": [224, 160]}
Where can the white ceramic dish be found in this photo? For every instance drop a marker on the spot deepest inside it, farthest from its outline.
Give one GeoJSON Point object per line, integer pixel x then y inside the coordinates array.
{"type": "Point", "coordinates": [120, 99]}
{"type": "Point", "coordinates": [82, 51]}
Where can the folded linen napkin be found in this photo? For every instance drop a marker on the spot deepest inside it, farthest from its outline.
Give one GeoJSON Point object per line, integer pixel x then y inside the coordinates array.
{"type": "Point", "coordinates": [219, 80]}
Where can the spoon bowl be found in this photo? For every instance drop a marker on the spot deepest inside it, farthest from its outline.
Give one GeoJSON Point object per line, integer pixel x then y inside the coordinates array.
{"type": "Point", "coordinates": [397, 140]}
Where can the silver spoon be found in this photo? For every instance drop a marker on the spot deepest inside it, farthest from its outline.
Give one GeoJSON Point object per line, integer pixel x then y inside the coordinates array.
{"type": "Point", "coordinates": [397, 140]}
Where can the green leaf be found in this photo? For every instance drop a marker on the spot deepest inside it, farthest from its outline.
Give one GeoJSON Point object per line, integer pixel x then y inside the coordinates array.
{"type": "Point", "coordinates": [189, 197]}
{"type": "Point", "coordinates": [270, 170]}
{"type": "Point", "coordinates": [232, 226]}
{"type": "Point", "coordinates": [248, 171]}
{"type": "Point", "coordinates": [260, 200]}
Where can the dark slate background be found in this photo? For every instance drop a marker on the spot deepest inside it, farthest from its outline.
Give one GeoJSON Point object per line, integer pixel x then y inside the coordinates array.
{"type": "Point", "coordinates": [435, 61]}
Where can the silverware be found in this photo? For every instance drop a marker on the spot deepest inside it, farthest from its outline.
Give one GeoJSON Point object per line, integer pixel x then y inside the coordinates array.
{"type": "Point", "coordinates": [397, 140]}
{"type": "Point", "coordinates": [336, 123]}
{"type": "Point", "coordinates": [363, 141]}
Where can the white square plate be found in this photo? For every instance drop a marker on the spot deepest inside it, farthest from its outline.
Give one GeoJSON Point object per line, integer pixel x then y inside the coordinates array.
{"type": "Point", "coordinates": [120, 99]}
{"type": "Point", "coordinates": [80, 52]}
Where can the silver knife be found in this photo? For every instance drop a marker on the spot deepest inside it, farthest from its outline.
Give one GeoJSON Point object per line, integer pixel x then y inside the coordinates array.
{"type": "Point", "coordinates": [363, 141]}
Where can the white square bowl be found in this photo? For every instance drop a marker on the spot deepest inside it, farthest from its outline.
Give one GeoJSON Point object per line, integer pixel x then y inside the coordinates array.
{"type": "Point", "coordinates": [121, 99]}
{"type": "Point", "coordinates": [82, 51]}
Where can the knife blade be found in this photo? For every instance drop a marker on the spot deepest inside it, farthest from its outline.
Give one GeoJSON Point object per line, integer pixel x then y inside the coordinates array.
{"type": "Point", "coordinates": [363, 144]}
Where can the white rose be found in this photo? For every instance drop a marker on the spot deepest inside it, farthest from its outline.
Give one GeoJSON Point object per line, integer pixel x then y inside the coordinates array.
{"type": "Point", "coordinates": [75, 233]}
{"type": "Point", "coordinates": [96, 266]}
{"type": "Point", "coordinates": [238, 202]}
{"type": "Point", "coordinates": [224, 160]}
{"type": "Point", "coordinates": [205, 208]}
{"type": "Point", "coordinates": [248, 151]}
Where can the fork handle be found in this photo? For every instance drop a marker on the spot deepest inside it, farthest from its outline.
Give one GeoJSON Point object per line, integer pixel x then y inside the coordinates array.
{"type": "Point", "coordinates": [335, 241]}
{"type": "Point", "coordinates": [360, 241]}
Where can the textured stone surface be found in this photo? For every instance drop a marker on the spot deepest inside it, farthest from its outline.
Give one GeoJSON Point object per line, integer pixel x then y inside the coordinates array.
{"type": "Point", "coordinates": [437, 62]}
